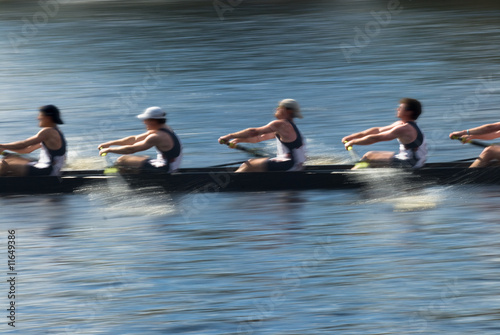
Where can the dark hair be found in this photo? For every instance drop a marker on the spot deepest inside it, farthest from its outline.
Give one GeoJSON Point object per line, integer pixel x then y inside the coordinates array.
{"type": "Point", "coordinates": [412, 105]}
{"type": "Point", "coordinates": [53, 112]}
{"type": "Point", "coordinates": [159, 121]}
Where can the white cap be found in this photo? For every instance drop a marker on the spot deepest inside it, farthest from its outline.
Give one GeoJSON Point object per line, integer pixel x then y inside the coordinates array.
{"type": "Point", "coordinates": [293, 105]}
{"type": "Point", "coordinates": [152, 113]}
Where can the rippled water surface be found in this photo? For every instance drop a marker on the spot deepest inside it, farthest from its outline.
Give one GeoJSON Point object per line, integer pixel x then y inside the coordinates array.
{"type": "Point", "coordinates": [384, 260]}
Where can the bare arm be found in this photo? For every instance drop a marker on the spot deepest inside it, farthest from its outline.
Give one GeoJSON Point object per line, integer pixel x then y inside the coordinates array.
{"type": "Point", "coordinates": [370, 131]}
{"type": "Point", "coordinates": [28, 145]}
{"type": "Point", "coordinates": [387, 135]}
{"type": "Point", "coordinates": [254, 139]}
{"type": "Point", "coordinates": [484, 132]}
{"type": "Point", "coordinates": [489, 136]}
{"type": "Point", "coordinates": [130, 140]}
{"type": "Point", "coordinates": [28, 149]}
{"type": "Point", "coordinates": [142, 145]}
{"type": "Point", "coordinates": [253, 135]}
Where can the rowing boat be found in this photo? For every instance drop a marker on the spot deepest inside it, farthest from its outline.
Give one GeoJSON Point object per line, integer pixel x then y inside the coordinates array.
{"type": "Point", "coordinates": [225, 179]}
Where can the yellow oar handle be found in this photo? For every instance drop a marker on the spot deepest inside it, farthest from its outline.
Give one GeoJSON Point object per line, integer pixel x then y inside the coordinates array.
{"type": "Point", "coordinates": [232, 145]}
{"type": "Point", "coordinates": [362, 165]}
{"type": "Point", "coordinates": [104, 153]}
{"type": "Point", "coordinates": [461, 139]}
{"type": "Point", "coordinates": [349, 148]}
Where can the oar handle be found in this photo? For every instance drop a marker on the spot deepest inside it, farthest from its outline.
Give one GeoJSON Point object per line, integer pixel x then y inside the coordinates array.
{"type": "Point", "coordinates": [104, 153]}
{"type": "Point", "coordinates": [473, 142]}
{"type": "Point", "coordinates": [229, 144]}
{"type": "Point", "coordinates": [461, 139]}
{"type": "Point", "coordinates": [349, 148]}
{"type": "Point", "coordinates": [358, 163]}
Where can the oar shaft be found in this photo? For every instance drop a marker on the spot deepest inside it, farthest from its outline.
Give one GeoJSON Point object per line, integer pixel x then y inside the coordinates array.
{"type": "Point", "coordinates": [358, 163]}
{"type": "Point", "coordinates": [355, 157]}
{"type": "Point", "coordinates": [473, 142]}
{"type": "Point", "coordinates": [111, 168]}
{"type": "Point", "coordinates": [252, 151]}
{"type": "Point", "coordinates": [228, 164]}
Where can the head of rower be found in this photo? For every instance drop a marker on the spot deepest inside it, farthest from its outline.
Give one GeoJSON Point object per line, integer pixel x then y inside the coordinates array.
{"type": "Point", "coordinates": [288, 109]}
{"type": "Point", "coordinates": [49, 116]}
{"type": "Point", "coordinates": [154, 118]}
{"type": "Point", "coordinates": [409, 109]}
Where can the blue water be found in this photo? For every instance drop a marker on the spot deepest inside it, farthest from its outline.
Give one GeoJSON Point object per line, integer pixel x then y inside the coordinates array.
{"type": "Point", "coordinates": [379, 261]}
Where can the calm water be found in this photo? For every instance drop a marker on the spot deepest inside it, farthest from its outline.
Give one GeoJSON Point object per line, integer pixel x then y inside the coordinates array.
{"type": "Point", "coordinates": [379, 261]}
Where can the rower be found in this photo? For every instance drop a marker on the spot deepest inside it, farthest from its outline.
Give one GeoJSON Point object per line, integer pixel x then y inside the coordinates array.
{"type": "Point", "coordinates": [290, 143]}
{"type": "Point", "coordinates": [158, 135]}
{"type": "Point", "coordinates": [412, 149]}
{"type": "Point", "coordinates": [485, 132]}
{"type": "Point", "coordinates": [49, 139]}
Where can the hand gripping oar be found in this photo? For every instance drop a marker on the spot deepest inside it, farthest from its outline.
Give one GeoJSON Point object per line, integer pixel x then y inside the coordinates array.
{"type": "Point", "coordinates": [252, 151]}
{"type": "Point", "coordinates": [358, 164]}
{"type": "Point", "coordinates": [111, 169]}
{"type": "Point", "coordinates": [473, 142]}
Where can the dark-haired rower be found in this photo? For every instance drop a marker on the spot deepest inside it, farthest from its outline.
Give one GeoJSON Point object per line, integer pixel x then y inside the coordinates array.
{"type": "Point", "coordinates": [412, 149]}
{"type": "Point", "coordinates": [49, 139]}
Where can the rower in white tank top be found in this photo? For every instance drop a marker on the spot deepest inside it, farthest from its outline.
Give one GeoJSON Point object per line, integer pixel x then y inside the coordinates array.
{"type": "Point", "coordinates": [291, 155]}
{"type": "Point", "coordinates": [414, 153]}
{"type": "Point", "coordinates": [53, 160]}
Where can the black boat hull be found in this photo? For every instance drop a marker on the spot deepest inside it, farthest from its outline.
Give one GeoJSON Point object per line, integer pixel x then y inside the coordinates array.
{"type": "Point", "coordinates": [224, 179]}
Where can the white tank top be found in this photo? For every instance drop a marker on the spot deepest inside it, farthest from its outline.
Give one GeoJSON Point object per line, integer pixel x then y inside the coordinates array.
{"type": "Point", "coordinates": [54, 158]}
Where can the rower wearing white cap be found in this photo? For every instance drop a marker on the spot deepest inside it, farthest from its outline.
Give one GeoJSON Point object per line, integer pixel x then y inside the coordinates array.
{"type": "Point", "coordinates": [291, 144]}
{"type": "Point", "coordinates": [158, 135]}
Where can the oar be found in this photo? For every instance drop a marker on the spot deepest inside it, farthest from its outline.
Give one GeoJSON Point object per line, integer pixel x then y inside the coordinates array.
{"type": "Point", "coordinates": [473, 142]}
{"type": "Point", "coordinates": [356, 159]}
{"type": "Point", "coordinates": [228, 164]}
{"type": "Point", "coordinates": [252, 151]}
{"type": "Point", "coordinates": [111, 169]}
{"type": "Point", "coordinates": [466, 159]}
